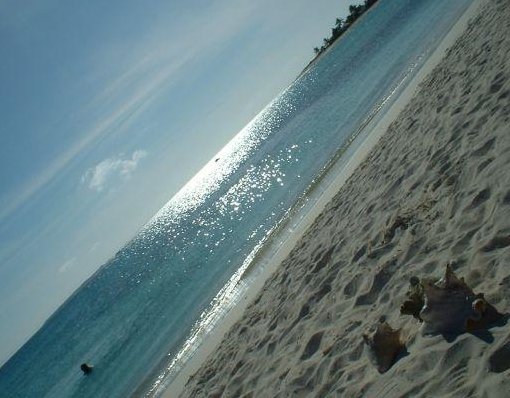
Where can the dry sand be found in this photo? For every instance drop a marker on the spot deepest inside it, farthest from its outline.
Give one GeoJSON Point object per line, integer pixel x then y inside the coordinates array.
{"type": "Point", "coordinates": [444, 167]}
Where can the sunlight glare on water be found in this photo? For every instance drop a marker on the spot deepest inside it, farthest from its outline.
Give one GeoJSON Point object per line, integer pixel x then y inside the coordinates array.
{"type": "Point", "coordinates": [260, 175]}
{"type": "Point", "coordinates": [142, 315]}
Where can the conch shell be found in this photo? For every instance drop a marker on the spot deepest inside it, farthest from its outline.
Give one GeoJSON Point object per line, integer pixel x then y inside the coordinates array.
{"type": "Point", "coordinates": [415, 300]}
{"type": "Point", "coordinates": [384, 345]}
{"type": "Point", "coordinates": [448, 306]}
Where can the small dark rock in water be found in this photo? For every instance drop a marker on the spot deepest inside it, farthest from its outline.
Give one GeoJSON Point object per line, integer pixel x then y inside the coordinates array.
{"type": "Point", "coordinates": [86, 368]}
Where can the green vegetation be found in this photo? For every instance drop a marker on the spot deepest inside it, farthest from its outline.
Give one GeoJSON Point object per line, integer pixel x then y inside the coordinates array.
{"type": "Point", "coordinates": [342, 25]}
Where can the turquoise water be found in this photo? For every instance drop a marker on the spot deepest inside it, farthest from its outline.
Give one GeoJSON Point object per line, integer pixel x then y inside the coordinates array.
{"type": "Point", "coordinates": [133, 316]}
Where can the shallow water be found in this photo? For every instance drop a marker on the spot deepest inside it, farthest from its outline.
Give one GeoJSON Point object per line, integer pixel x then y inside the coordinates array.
{"type": "Point", "coordinates": [131, 318]}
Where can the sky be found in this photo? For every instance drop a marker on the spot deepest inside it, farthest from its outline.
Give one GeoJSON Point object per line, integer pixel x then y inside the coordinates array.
{"type": "Point", "coordinates": [108, 108]}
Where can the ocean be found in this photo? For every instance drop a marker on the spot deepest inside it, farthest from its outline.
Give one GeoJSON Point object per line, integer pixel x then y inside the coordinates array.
{"type": "Point", "coordinates": [141, 315]}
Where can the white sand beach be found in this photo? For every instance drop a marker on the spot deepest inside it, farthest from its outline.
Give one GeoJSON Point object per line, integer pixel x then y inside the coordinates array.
{"type": "Point", "coordinates": [436, 189]}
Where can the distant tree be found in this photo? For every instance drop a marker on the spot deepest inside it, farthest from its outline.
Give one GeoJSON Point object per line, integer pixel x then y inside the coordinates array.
{"type": "Point", "coordinates": [356, 10]}
{"type": "Point", "coordinates": [341, 25]}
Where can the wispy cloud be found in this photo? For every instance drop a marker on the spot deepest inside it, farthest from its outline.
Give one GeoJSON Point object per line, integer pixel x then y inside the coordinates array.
{"type": "Point", "coordinates": [112, 170]}
{"type": "Point", "coordinates": [67, 265]}
{"type": "Point", "coordinates": [154, 62]}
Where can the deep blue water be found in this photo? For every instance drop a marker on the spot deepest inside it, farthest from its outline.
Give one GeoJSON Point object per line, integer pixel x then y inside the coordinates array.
{"type": "Point", "coordinates": [135, 313]}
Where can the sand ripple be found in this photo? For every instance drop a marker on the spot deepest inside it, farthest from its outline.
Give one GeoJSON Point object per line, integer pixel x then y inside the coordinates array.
{"type": "Point", "coordinates": [437, 188]}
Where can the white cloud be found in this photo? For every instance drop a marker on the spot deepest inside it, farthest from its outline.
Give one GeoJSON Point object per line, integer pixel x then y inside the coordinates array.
{"type": "Point", "coordinates": [111, 170]}
{"type": "Point", "coordinates": [154, 61]}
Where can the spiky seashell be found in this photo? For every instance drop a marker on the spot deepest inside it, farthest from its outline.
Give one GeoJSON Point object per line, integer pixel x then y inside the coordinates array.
{"type": "Point", "coordinates": [450, 306]}
{"type": "Point", "coordinates": [484, 315]}
{"type": "Point", "coordinates": [384, 345]}
{"type": "Point", "coordinates": [414, 302]}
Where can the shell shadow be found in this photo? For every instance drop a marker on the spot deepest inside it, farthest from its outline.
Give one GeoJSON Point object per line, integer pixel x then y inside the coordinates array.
{"type": "Point", "coordinates": [485, 334]}
{"type": "Point", "coordinates": [401, 355]}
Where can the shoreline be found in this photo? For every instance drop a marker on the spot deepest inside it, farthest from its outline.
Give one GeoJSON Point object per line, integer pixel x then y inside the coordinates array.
{"type": "Point", "coordinates": [434, 190]}
{"type": "Point", "coordinates": [254, 279]}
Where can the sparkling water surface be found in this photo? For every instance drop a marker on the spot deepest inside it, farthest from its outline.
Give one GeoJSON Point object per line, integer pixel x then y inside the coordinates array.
{"type": "Point", "coordinates": [132, 318]}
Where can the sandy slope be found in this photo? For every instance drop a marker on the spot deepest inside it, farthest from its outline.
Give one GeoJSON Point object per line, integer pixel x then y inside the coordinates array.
{"type": "Point", "coordinates": [444, 167]}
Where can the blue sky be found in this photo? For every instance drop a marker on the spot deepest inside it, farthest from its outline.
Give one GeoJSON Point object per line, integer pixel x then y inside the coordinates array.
{"type": "Point", "coordinates": [108, 108]}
